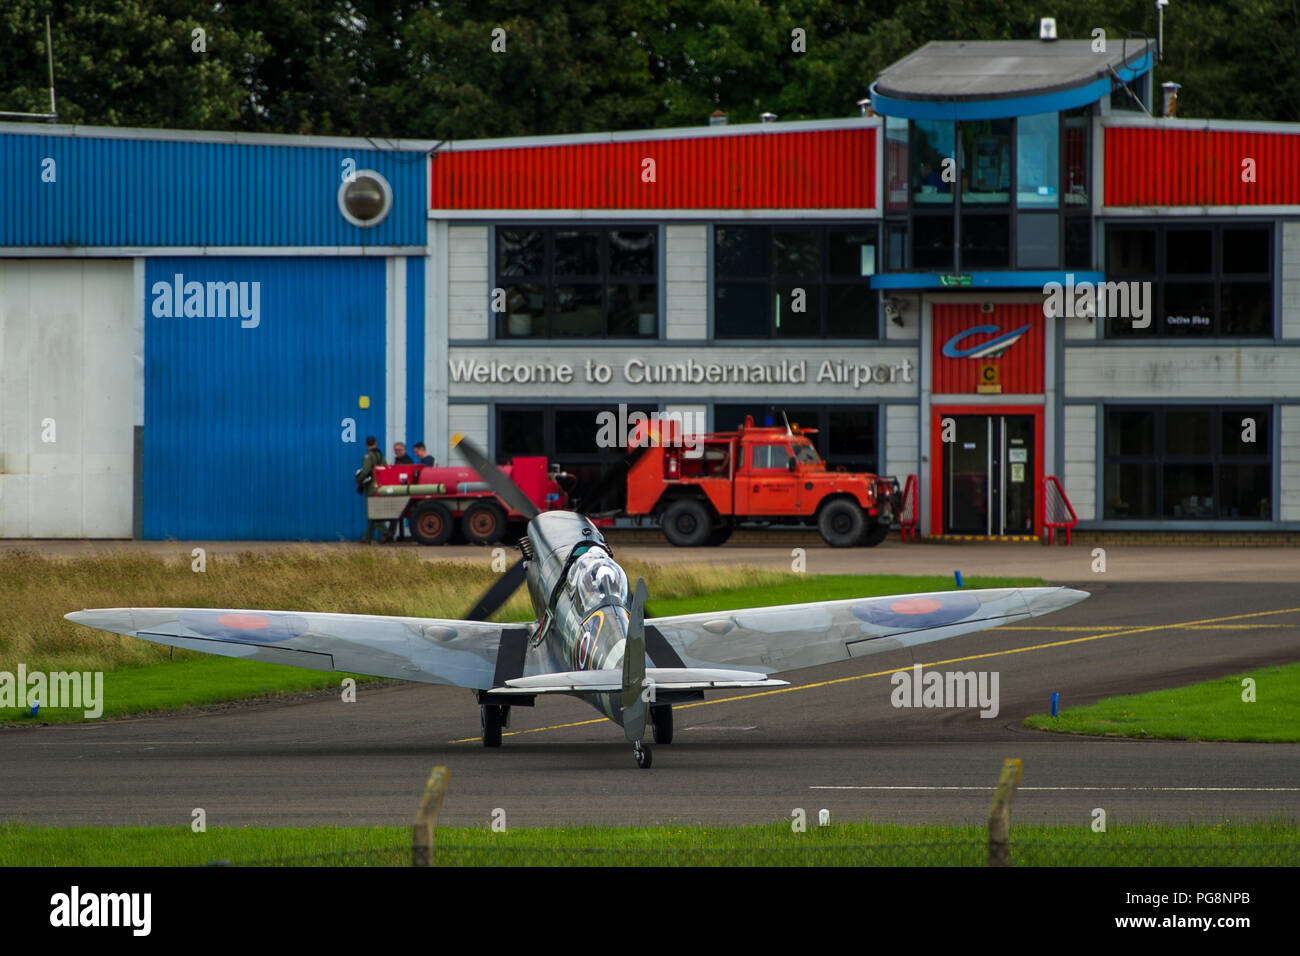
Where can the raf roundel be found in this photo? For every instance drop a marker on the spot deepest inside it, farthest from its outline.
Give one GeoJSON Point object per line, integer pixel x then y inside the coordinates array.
{"type": "Point", "coordinates": [918, 612]}
{"type": "Point", "coordinates": [261, 628]}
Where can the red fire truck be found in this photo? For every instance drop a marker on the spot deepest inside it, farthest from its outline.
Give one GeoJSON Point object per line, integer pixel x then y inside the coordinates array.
{"type": "Point", "coordinates": [436, 499]}
{"type": "Point", "coordinates": [702, 487]}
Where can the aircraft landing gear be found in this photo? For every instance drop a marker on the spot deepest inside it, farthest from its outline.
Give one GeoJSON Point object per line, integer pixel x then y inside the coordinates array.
{"type": "Point", "coordinates": [642, 752]}
{"type": "Point", "coordinates": [661, 721]}
{"type": "Point", "coordinates": [495, 716]}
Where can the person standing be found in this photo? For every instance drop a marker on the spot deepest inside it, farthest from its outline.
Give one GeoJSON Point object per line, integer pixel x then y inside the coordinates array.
{"type": "Point", "coordinates": [422, 457]}
{"type": "Point", "coordinates": [397, 527]}
{"type": "Point", "coordinates": [366, 484]}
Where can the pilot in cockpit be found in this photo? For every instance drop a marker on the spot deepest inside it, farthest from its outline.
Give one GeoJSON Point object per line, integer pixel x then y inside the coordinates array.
{"type": "Point", "coordinates": [598, 581]}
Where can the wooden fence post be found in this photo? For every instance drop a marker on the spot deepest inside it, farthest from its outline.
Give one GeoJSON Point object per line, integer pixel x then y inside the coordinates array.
{"type": "Point", "coordinates": [426, 818]}
{"type": "Point", "coordinates": [1000, 813]}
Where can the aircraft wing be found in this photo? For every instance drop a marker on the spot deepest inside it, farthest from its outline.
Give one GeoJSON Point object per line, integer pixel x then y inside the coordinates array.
{"type": "Point", "coordinates": [792, 636]}
{"type": "Point", "coordinates": [664, 678]}
{"type": "Point", "coordinates": [459, 653]}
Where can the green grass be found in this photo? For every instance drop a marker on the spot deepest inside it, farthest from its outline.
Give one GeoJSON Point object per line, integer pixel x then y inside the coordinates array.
{"type": "Point", "coordinates": [1212, 710]}
{"type": "Point", "coordinates": [140, 677]}
{"type": "Point", "coordinates": [846, 844]}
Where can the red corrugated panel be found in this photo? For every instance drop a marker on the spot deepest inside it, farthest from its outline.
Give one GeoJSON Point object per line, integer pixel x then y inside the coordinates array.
{"type": "Point", "coordinates": [1019, 368]}
{"type": "Point", "coordinates": [819, 169]}
{"type": "Point", "coordinates": [1196, 167]}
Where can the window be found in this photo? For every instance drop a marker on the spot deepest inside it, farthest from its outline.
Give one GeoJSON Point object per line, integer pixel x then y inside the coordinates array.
{"type": "Point", "coordinates": [986, 161]}
{"type": "Point", "coordinates": [845, 435]}
{"type": "Point", "coordinates": [567, 436]}
{"type": "Point", "coordinates": [1188, 462]}
{"type": "Point", "coordinates": [1038, 161]}
{"type": "Point", "coordinates": [577, 282]}
{"type": "Point", "coordinates": [934, 152]}
{"type": "Point", "coordinates": [1207, 280]}
{"type": "Point", "coordinates": [794, 281]}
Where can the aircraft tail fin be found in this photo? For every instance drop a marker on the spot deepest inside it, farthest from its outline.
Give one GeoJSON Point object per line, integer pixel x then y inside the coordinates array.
{"type": "Point", "coordinates": [635, 708]}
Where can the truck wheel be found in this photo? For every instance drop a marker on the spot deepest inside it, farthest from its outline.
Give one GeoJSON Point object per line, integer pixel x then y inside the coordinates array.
{"type": "Point", "coordinates": [874, 534]}
{"type": "Point", "coordinates": [483, 523]}
{"type": "Point", "coordinates": [431, 523]}
{"type": "Point", "coordinates": [719, 536]}
{"type": "Point", "coordinates": [686, 523]}
{"type": "Point", "coordinates": [841, 523]}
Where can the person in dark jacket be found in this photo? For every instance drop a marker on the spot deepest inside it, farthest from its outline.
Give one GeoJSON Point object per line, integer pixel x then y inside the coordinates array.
{"type": "Point", "coordinates": [397, 527]}
{"type": "Point", "coordinates": [422, 457]}
{"type": "Point", "coordinates": [400, 457]}
{"type": "Point", "coordinates": [366, 484]}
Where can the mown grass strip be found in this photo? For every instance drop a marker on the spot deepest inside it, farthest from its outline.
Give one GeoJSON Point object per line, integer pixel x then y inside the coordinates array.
{"type": "Point", "coordinates": [843, 844]}
{"type": "Point", "coordinates": [1213, 710]}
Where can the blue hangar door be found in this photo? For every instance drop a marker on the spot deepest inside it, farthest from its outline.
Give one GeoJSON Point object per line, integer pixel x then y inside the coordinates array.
{"type": "Point", "coordinates": [251, 367]}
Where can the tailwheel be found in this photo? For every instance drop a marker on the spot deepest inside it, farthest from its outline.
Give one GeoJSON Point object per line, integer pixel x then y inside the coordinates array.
{"type": "Point", "coordinates": [642, 752]}
{"type": "Point", "coordinates": [494, 718]}
{"type": "Point", "coordinates": [661, 721]}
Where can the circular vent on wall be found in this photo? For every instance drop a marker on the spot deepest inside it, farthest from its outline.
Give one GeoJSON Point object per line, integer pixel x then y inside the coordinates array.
{"type": "Point", "coordinates": [366, 199]}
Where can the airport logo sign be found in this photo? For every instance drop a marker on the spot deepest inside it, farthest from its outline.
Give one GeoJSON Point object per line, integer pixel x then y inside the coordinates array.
{"type": "Point", "coordinates": [989, 348]}
{"type": "Point", "coordinates": [208, 300]}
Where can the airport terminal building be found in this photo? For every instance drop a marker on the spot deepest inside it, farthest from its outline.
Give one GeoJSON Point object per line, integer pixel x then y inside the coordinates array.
{"type": "Point", "coordinates": [1006, 270]}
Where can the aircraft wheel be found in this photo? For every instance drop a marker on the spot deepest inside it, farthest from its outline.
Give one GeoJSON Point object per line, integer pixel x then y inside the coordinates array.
{"type": "Point", "coordinates": [431, 523]}
{"type": "Point", "coordinates": [686, 523]}
{"type": "Point", "coordinates": [493, 720]}
{"type": "Point", "coordinates": [483, 523]}
{"type": "Point", "coordinates": [643, 758]}
{"type": "Point", "coordinates": [841, 523]}
{"type": "Point", "coordinates": [661, 721]}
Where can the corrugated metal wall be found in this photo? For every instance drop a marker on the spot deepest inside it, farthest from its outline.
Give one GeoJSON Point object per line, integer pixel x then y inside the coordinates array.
{"type": "Point", "coordinates": [243, 433]}
{"type": "Point", "coordinates": [1147, 166]}
{"type": "Point", "coordinates": [1019, 368]}
{"type": "Point", "coordinates": [125, 192]}
{"type": "Point", "coordinates": [816, 169]}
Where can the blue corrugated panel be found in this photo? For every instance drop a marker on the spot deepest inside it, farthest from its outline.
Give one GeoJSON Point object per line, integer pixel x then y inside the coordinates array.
{"type": "Point", "coordinates": [415, 352]}
{"type": "Point", "coordinates": [244, 434]}
{"type": "Point", "coordinates": [130, 192]}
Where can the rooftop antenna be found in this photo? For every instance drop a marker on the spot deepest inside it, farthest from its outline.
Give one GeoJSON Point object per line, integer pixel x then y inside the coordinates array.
{"type": "Point", "coordinates": [785, 418]}
{"type": "Point", "coordinates": [1160, 30]}
{"type": "Point", "coordinates": [53, 114]}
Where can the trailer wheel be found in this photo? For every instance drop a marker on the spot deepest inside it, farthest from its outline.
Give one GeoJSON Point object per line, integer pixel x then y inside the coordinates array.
{"type": "Point", "coordinates": [841, 523]}
{"type": "Point", "coordinates": [686, 523]}
{"type": "Point", "coordinates": [874, 534]}
{"type": "Point", "coordinates": [483, 523]}
{"type": "Point", "coordinates": [431, 523]}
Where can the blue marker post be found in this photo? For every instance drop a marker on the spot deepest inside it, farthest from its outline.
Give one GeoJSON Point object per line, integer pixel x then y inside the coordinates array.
{"type": "Point", "coordinates": [36, 709]}
{"type": "Point", "coordinates": [1056, 702]}
{"type": "Point", "coordinates": [957, 575]}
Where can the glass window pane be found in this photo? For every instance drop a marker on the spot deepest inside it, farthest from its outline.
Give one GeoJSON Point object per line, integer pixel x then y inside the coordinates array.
{"type": "Point", "coordinates": [1130, 491]}
{"type": "Point", "coordinates": [896, 246]}
{"type": "Point", "coordinates": [1130, 432]}
{"type": "Point", "coordinates": [577, 252]}
{"type": "Point", "coordinates": [741, 251]}
{"type": "Point", "coordinates": [1189, 432]}
{"type": "Point", "coordinates": [797, 311]}
{"type": "Point", "coordinates": [1038, 160]}
{"type": "Point", "coordinates": [986, 161]}
{"type": "Point", "coordinates": [633, 309]}
{"type": "Point", "coordinates": [1246, 308]}
{"type": "Point", "coordinates": [933, 141]}
{"type": "Point", "coordinates": [521, 252]}
{"type": "Point", "coordinates": [852, 436]}
{"type": "Point", "coordinates": [985, 242]}
{"type": "Point", "coordinates": [895, 163]}
{"type": "Point", "coordinates": [1075, 147]}
{"type": "Point", "coordinates": [577, 311]}
{"type": "Point", "coordinates": [520, 432]}
{"type": "Point", "coordinates": [1189, 251]}
{"type": "Point", "coordinates": [851, 254]}
{"type": "Point", "coordinates": [932, 242]}
{"type": "Point", "coordinates": [851, 312]}
{"type": "Point", "coordinates": [575, 431]}
{"type": "Point", "coordinates": [525, 313]}
{"type": "Point", "coordinates": [1189, 491]}
{"type": "Point", "coordinates": [740, 311]}
{"type": "Point", "coordinates": [1078, 242]}
{"type": "Point", "coordinates": [632, 253]}
{"type": "Point", "coordinates": [1248, 250]}
{"type": "Point", "coordinates": [797, 253]}
{"type": "Point", "coordinates": [1244, 492]}
{"type": "Point", "coordinates": [1130, 251]}
{"type": "Point", "coordinates": [1189, 308]}
{"type": "Point", "coordinates": [1239, 424]}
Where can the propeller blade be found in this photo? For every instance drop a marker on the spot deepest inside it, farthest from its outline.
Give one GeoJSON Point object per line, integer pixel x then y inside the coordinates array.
{"type": "Point", "coordinates": [635, 707]}
{"type": "Point", "coordinates": [499, 592]}
{"type": "Point", "coordinates": [504, 488]}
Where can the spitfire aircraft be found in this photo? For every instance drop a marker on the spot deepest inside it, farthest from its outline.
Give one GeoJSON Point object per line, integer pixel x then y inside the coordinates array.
{"type": "Point", "coordinates": [590, 638]}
